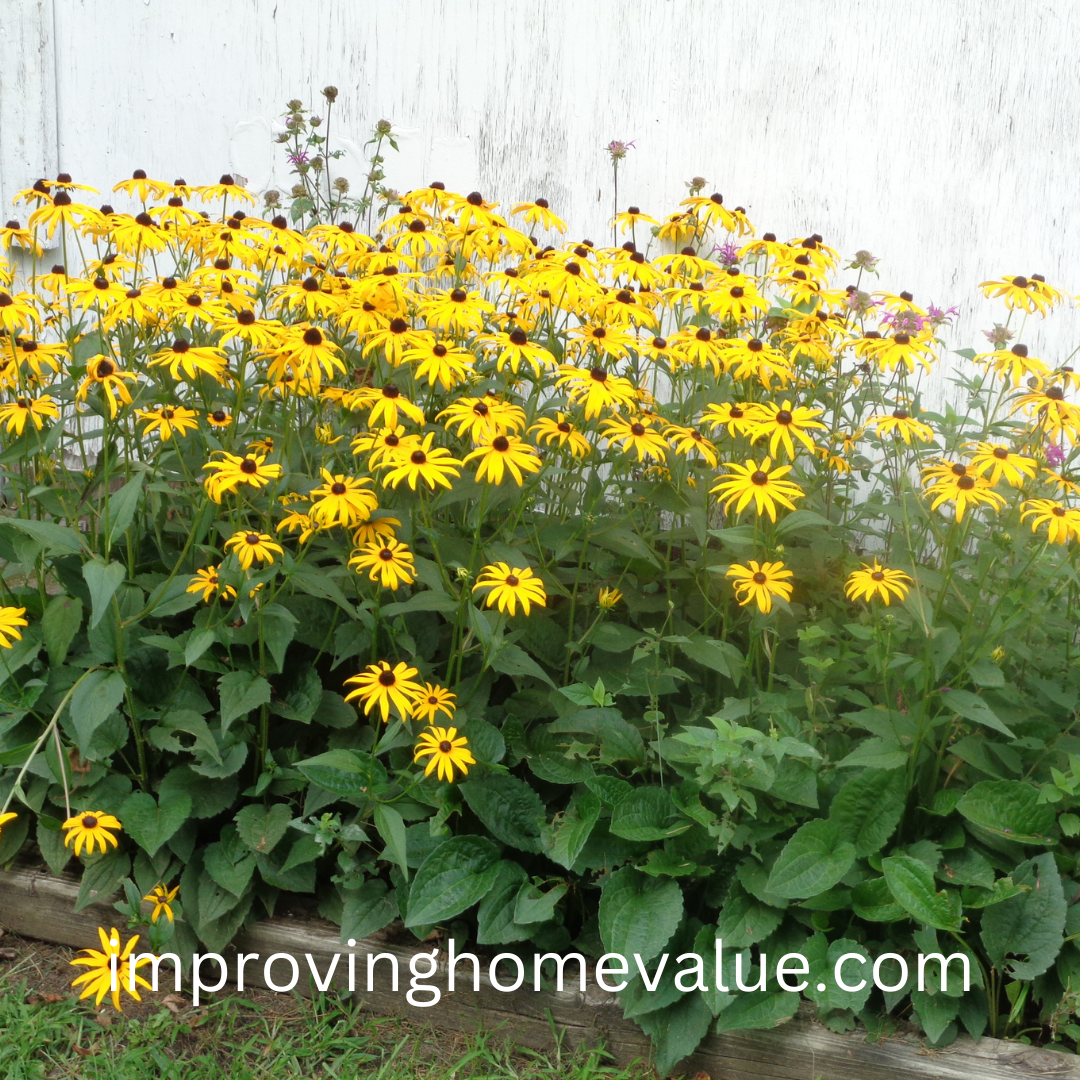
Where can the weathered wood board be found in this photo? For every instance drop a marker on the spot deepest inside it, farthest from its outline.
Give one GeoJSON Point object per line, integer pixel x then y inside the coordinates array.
{"type": "Point", "coordinates": [35, 904]}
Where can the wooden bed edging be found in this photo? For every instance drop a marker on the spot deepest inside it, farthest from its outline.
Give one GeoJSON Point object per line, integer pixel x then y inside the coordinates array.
{"type": "Point", "coordinates": [35, 904]}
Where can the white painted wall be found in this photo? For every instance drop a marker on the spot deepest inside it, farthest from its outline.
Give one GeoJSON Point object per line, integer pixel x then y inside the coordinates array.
{"type": "Point", "coordinates": [943, 135]}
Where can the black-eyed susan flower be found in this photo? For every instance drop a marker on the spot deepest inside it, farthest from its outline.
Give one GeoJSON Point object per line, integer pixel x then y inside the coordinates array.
{"type": "Point", "coordinates": [483, 417]}
{"type": "Point", "coordinates": [514, 347]}
{"type": "Point", "coordinates": [596, 388]}
{"type": "Point", "coordinates": [737, 418]}
{"type": "Point", "coordinates": [996, 462]}
{"type": "Point", "coordinates": [387, 403]}
{"type": "Point", "coordinates": [456, 311]}
{"type": "Point", "coordinates": [383, 527]}
{"type": "Point", "coordinates": [436, 466]}
{"type": "Point", "coordinates": [380, 686]}
{"type": "Point", "coordinates": [101, 371]}
{"type": "Point", "coordinates": [632, 217]}
{"type": "Point", "coordinates": [1021, 293]}
{"type": "Point", "coordinates": [539, 212]}
{"type": "Point", "coordinates": [168, 420]}
{"type": "Point", "coordinates": [501, 455]}
{"type": "Point", "coordinates": [342, 500]}
{"type": "Point", "coordinates": [957, 483]}
{"type": "Point", "coordinates": [758, 583]}
{"type": "Point", "coordinates": [1057, 416]}
{"type": "Point", "coordinates": [162, 897]}
{"type": "Point", "coordinates": [141, 187]}
{"type": "Point", "coordinates": [251, 547]}
{"type": "Point", "coordinates": [441, 363]}
{"type": "Point", "coordinates": [1015, 363]}
{"type": "Point", "coordinates": [90, 828]}
{"type": "Point", "coordinates": [109, 964]}
{"type": "Point", "coordinates": [607, 598]}
{"type": "Point", "coordinates": [688, 440]}
{"type": "Point", "coordinates": [298, 521]}
{"type": "Point", "coordinates": [901, 422]}
{"type": "Point", "coordinates": [389, 562]}
{"type": "Point", "coordinates": [208, 582]}
{"type": "Point", "coordinates": [232, 472]}
{"type": "Point", "coordinates": [186, 361]}
{"type": "Point", "coordinates": [446, 752]}
{"type": "Point", "coordinates": [434, 699]}
{"type": "Point", "coordinates": [754, 360]}
{"type": "Point", "coordinates": [511, 586]}
{"type": "Point", "coordinates": [226, 188]}
{"type": "Point", "coordinates": [15, 414]}
{"type": "Point", "coordinates": [781, 422]}
{"type": "Point", "coordinates": [761, 484]}
{"type": "Point", "coordinates": [636, 436]}
{"type": "Point", "coordinates": [386, 447]}
{"type": "Point", "coordinates": [874, 580]}
{"type": "Point", "coordinates": [1062, 522]}
{"type": "Point", "coordinates": [559, 431]}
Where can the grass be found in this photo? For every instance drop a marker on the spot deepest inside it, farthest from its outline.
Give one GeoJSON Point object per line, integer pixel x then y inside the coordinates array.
{"type": "Point", "coordinates": [46, 1033]}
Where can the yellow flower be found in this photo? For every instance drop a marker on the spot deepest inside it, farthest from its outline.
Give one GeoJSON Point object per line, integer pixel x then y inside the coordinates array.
{"type": "Point", "coordinates": [998, 655]}
{"type": "Point", "coordinates": [560, 430]}
{"type": "Point", "coordinates": [90, 828]}
{"type": "Point", "coordinates": [380, 528]}
{"type": "Point", "coordinates": [16, 413]}
{"type": "Point", "coordinates": [191, 360]}
{"type": "Point", "coordinates": [762, 484]}
{"type": "Point", "coordinates": [874, 580]}
{"type": "Point", "coordinates": [758, 584]}
{"type": "Point", "coordinates": [953, 482]}
{"type": "Point", "coordinates": [5, 818]}
{"type": "Point", "coordinates": [483, 418]}
{"type": "Point", "coordinates": [380, 685]}
{"type": "Point", "coordinates": [597, 388]}
{"type": "Point", "coordinates": [103, 372]}
{"type": "Point", "coordinates": [511, 586]}
{"type": "Point", "coordinates": [11, 618]}
{"type": "Point", "coordinates": [446, 751]}
{"type": "Point", "coordinates": [252, 546]}
{"type": "Point", "coordinates": [538, 212]}
{"type": "Point", "coordinates": [296, 521]}
{"type": "Point", "coordinates": [637, 436]}
{"type": "Point", "coordinates": [432, 464]}
{"type": "Point", "coordinates": [389, 562]}
{"type": "Point", "coordinates": [608, 598]}
{"type": "Point", "coordinates": [433, 700]}
{"type": "Point", "coordinates": [902, 423]}
{"type": "Point", "coordinates": [207, 582]}
{"type": "Point", "coordinates": [1062, 522]}
{"type": "Point", "coordinates": [342, 500]}
{"type": "Point", "coordinates": [781, 422]}
{"type": "Point", "coordinates": [1000, 461]}
{"type": "Point", "coordinates": [1023, 294]}
{"type": "Point", "coordinates": [98, 979]}
{"type": "Point", "coordinates": [162, 897]}
{"type": "Point", "coordinates": [687, 440]}
{"type": "Point", "coordinates": [502, 454]}
{"type": "Point", "coordinates": [168, 420]}
{"type": "Point", "coordinates": [233, 471]}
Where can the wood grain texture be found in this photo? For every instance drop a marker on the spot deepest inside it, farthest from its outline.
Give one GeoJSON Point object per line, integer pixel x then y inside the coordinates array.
{"type": "Point", "coordinates": [35, 904]}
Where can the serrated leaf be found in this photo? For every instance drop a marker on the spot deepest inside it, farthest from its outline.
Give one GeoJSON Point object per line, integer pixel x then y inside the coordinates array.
{"type": "Point", "coordinates": [812, 861]}
{"type": "Point", "coordinates": [495, 923]}
{"type": "Point", "coordinates": [151, 824]}
{"type": "Point", "coordinates": [261, 828]}
{"type": "Point", "coordinates": [647, 813]}
{"type": "Point", "coordinates": [391, 828]}
{"type": "Point", "coordinates": [94, 700]}
{"type": "Point", "coordinates": [513, 660]}
{"type": "Point", "coordinates": [240, 693]}
{"type": "Point", "coordinates": [974, 708]}
{"type": "Point", "coordinates": [102, 580]}
{"type": "Point", "coordinates": [60, 623]}
{"type": "Point", "coordinates": [366, 910]}
{"type": "Point", "coordinates": [1010, 809]}
{"type": "Point", "coordinates": [121, 509]}
{"type": "Point", "coordinates": [911, 883]}
{"type": "Point", "coordinates": [571, 829]}
{"type": "Point", "coordinates": [868, 808]}
{"type": "Point", "coordinates": [534, 906]}
{"type": "Point", "coordinates": [456, 875]}
{"type": "Point", "coordinates": [508, 807]}
{"type": "Point", "coordinates": [638, 914]}
{"type": "Point", "coordinates": [1030, 925]}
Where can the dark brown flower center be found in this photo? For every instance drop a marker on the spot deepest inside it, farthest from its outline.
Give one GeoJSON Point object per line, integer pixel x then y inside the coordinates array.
{"type": "Point", "coordinates": [513, 580]}
{"type": "Point", "coordinates": [105, 368]}
{"type": "Point", "coordinates": [500, 443]}
{"type": "Point", "coordinates": [459, 296]}
{"type": "Point", "coordinates": [965, 483]}
{"type": "Point", "coordinates": [398, 326]}
{"type": "Point", "coordinates": [959, 470]}
{"type": "Point", "coordinates": [1019, 350]}
{"type": "Point", "coordinates": [518, 337]}
{"type": "Point", "coordinates": [759, 578]}
{"type": "Point", "coordinates": [783, 417]}
{"type": "Point", "coordinates": [391, 391]}
{"type": "Point", "coordinates": [89, 821]}
{"type": "Point", "coordinates": [313, 337]}
{"type": "Point", "coordinates": [598, 374]}
{"type": "Point", "coordinates": [1021, 282]}
{"type": "Point", "coordinates": [759, 478]}
{"type": "Point", "coordinates": [564, 427]}
{"type": "Point", "coordinates": [1000, 453]}
{"type": "Point", "coordinates": [877, 575]}
{"type": "Point", "coordinates": [252, 539]}
{"type": "Point", "coordinates": [387, 678]}
{"type": "Point", "coordinates": [754, 345]}
{"type": "Point", "coordinates": [445, 747]}
{"type": "Point", "coordinates": [637, 429]}
{"type": "Point", "coordinates": [218, 415]}
{"type": "Point", "coordinates": [249, 466]}
{"type": "Point", "coordinates": [418, 457]}
{"type": "Point", "coordinates": [338, 489]}
{"type": "Point", "coordinates": [386, 555]}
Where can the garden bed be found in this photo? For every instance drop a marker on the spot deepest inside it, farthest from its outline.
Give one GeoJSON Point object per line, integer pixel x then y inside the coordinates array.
{"type": "Point", "coordinates": [36, 904]}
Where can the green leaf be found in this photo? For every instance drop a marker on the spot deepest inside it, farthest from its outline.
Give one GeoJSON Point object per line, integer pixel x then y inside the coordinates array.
{"type": "Point", "coordinates": [56, 539]}
{"type": "Point", "coordinates": [149, 824]}
{"type": "Point", "coordinates": [1010, 809]}
{"type": "Point", "coordinates": [101, 878]}
{"type": "Point", "coordinates": [261, 828]}
{"type": "Point", "coordinates": [677, 1030]}
{"type": "Point", "coordinates": [1030, 925]}
{"type": "Point", "coordinates": [121, 507]}
{"type": "Point", "coordinates": [800, 521]}
{"type": "Point", "coordinates": [822, 958]}
{"type": "Point", "coordinates": [647, 813]}
{"type": "Point", "coordinates": [60, 623]}
{"type": "Point", "coordinates": [571, 829]}
{"type": "Point", "coordinates": [102, 580]}
{"type": "Point", "coordinates": [618, 739]}
{"type": "Point", "coordinates": [456, 875]}
{"type": "Point", "coordinates": [868, 808]}
{"type": "Point", "coordinates": [495, 923]}
{"type": "Point", "coordinates": [94, 700]}
{"type": "Point", "coordinates": [534, 906]}
{"type": "Point", "coordinates": [757, 1011]}
{"type": "Point", "coordinates": [615, 637]}
{"type": "Point", "coordinates": [510, 809]}
{"type": "Point", "coordinates": [241, 692]}
{"type": "Point", "coordinates": [812, 861]}
{"type": "Point", "coordinates": [624, 541]}
{"type": "Point", "coordinates": [974, 708]}
{"type": "Point", "coordinates": [513, 660]}
{"type": "Point", "coordinates": [716, 655]}
{"type": "Point", "coordinates": [366, 910]}
{"type": "Point", "coordinates": [341, 772]}
{"type": "Point", "coordinates": [875, 754]}
{"type": "Point", "coordinates": [911, 883]}
{"type": "Point", "coordinates": [744, 920]}
{"type": "Point", "coordinates": [638, 913]}
{"type": "Point", "coordinates": [392, 829]}
{"type": "Point", "coordinates": [229, 866]}
{"type": "Point", "coordinates": [428, 600]}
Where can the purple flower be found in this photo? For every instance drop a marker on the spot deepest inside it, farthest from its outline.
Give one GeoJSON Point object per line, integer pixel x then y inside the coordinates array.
{"type": "Point", "coordinates": [617, 149]}
{"type": "Point", "coordinates": [904, 322]}
{"type": "Point", "coordinates": [728, 253]}
{"type": "Point", "coordinates": [935, 316]}
{"type": "Point", "coordinates": [299, 158]}
{"type": "Point", "coordinates": [1055, 455]}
